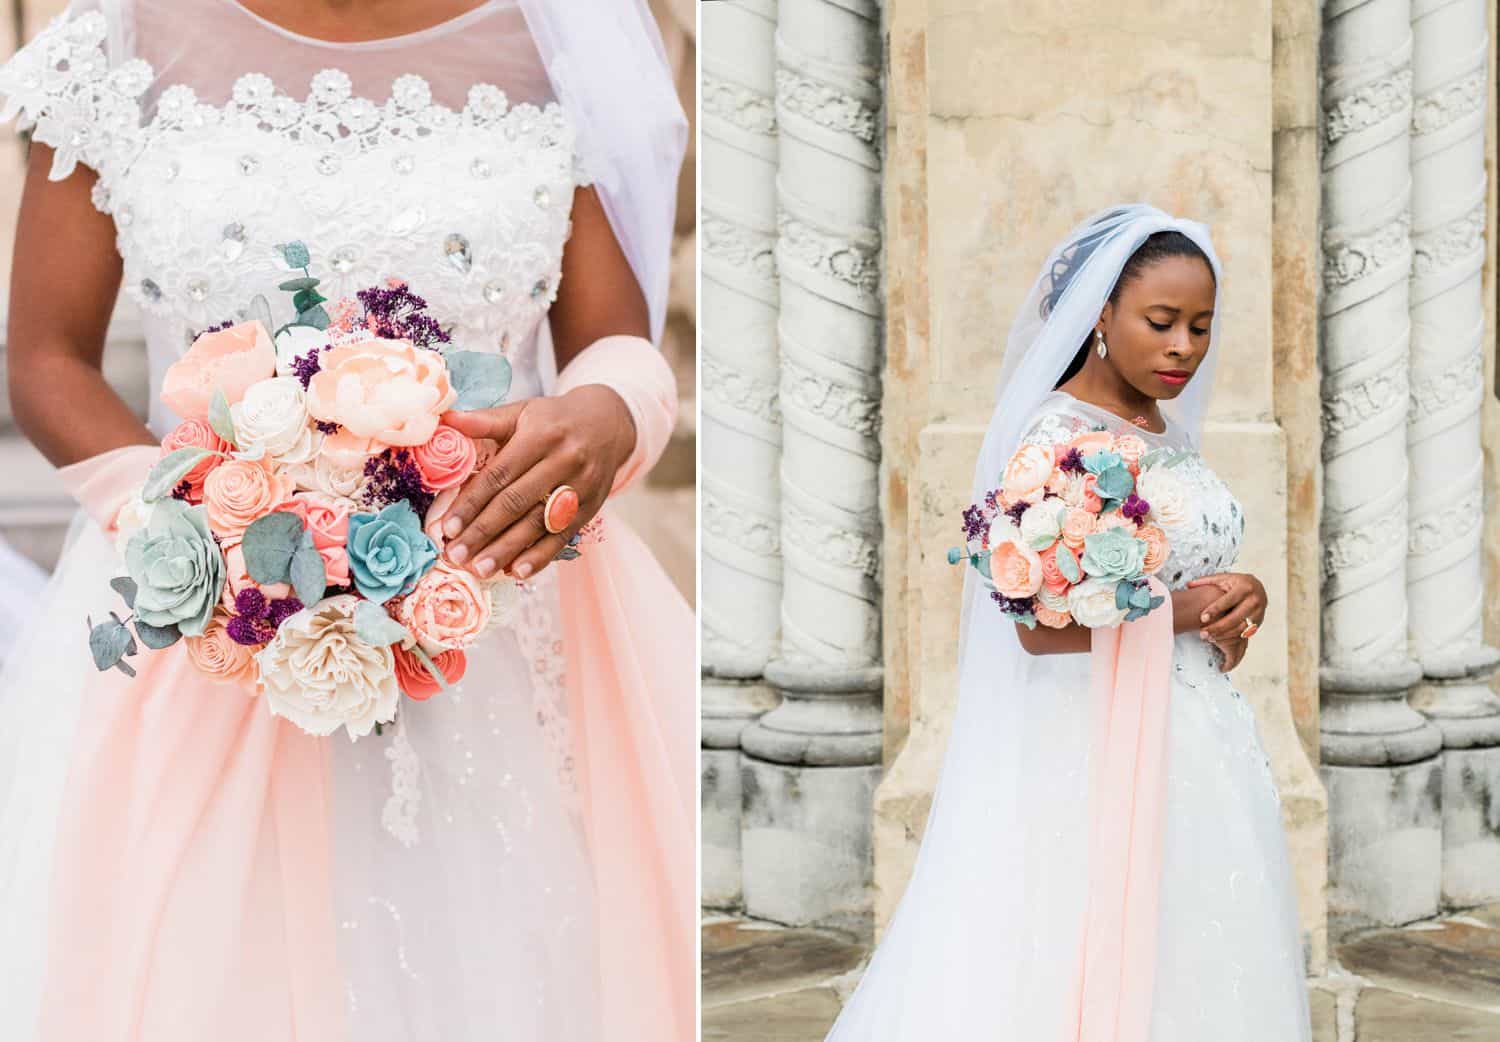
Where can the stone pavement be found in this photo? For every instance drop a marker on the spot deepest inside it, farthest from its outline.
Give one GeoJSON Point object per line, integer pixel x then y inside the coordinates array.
{"type": "Point", "coordinates": [1434, 981]}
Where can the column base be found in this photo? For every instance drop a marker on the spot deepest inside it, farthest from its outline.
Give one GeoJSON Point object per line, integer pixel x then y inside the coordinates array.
{"type": "Point", "coordinates": [1385, 842]}
{"type": "Point", "coordinates": [1367, 722]}
{"type": "Point", "coordinates": [729, 706]}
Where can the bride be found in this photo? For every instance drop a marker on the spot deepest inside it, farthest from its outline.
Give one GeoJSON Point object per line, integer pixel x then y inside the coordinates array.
{"type": "Point", "coordinates": [513, 857]}
{"type": "Point", "coordinates": [1049, 901]}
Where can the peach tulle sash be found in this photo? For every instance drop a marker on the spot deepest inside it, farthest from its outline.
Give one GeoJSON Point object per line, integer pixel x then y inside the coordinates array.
{"type": "Point", "coordinates": [1130, 690]}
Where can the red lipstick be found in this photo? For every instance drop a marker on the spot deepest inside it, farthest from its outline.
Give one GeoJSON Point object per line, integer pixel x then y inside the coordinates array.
{"type": "Point", "coordinates": [1173, 377]}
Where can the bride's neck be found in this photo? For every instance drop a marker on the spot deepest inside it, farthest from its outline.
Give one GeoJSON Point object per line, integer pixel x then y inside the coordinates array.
{"type": "Point", "coordinates": [1099, 383]}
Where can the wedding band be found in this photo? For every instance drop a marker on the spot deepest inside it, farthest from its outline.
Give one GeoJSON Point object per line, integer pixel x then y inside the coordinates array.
{"type": "Point", "coordinates": [1249, 630]}
{"type": "Point", "coordinates": [559, 509]}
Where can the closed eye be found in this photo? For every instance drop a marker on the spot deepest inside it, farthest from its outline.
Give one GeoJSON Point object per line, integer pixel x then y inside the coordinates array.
{"type": "Point", "coordinates": [1163, 328]}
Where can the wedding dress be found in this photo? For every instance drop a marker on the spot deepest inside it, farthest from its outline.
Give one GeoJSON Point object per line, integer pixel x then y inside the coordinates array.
{"type": "Point", "coordinates": [153, 834]}
{"type": "Point", "coordinates": [1229, 960]}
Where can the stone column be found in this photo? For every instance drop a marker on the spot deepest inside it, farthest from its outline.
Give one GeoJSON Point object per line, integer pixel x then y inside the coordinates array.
{"type": "Point", "coordinates": [1378, 753]}
{"type": "Point", "coordinates": [811, 764]}
{"type": "Point", "coordinates": [1445, 570]}
{"type": "Point", "coordinates": [741, 425]}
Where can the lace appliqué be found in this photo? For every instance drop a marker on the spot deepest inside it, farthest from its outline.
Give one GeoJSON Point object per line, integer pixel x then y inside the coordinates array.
{"type": "Point", "coordinates": [399, 815]}
{"type": "Point", "coordinates": [538, 630]}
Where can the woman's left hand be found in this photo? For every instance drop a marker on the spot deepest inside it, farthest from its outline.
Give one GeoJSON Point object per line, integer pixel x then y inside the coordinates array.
{"type": "Point", "coordinates": [1243, 598]}
{"type": "Point", "coordinates": [580, 439]}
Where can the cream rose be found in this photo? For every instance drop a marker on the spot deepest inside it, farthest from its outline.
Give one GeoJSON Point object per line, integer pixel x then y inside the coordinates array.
{"type": "Point", "coordinates": [317, 673]}
{"type": "Point", "coordinates": [1113, 519]}
{"type": "Point", "coordinates": [449, 608]}
{"type": "Point", "coordinates": [1092, 604]}
{"type": "Point", "coordinates": [1041, 524]}
{"type": "Point", "coordinates": [1027, 472]}
{"type": "Point", "coordinates": [272, 417]}
{"type": "Point", "coordinates": [388, 390]}
{"type": "Point", "coordinates": [132, 517]}
{"type": "Point", "coordinates": [238, 491]}
{"type": "Point", "coordinates": [1160, 488]}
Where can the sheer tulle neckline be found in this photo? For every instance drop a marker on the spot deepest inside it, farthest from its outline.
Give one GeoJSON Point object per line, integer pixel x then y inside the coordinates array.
{"type": "Point", "coordinates": [433, 31]}
{"type": "Point", "coordinates": [1133, 427]}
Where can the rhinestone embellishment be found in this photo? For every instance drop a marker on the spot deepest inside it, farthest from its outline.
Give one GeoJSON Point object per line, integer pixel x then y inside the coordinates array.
{"type": "Point", "coordinates": [150, 290]}
{"type": "Point", "coordinates": [457, 249]}
{"type": "Point", "coordinates": [481, 167]}
{"type": "Point", "coordinates": [542, 197]}
{"type": "Point", "coordinates": [539, 290]}
{"type": "Point", "coordinates": [343, 258]}
{"type": "Point", "coordinates": [405, 163]}
{"type": "Point", "coordinates": [248, 164]}
{"type": "Point", "coordinates": [234, 240]}
{"type": "Point", "coordinates": [494, 292]}
{"type": "Point", "coordinates": [328, 163]}
{"type": "Point", "coordinates": [197, 289]}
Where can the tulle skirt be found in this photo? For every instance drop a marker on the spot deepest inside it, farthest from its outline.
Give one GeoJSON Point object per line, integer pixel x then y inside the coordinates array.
{"type": "Point", "coordinates": [986, 938]}
{"type": "Point", "coordinates": [175, 863]}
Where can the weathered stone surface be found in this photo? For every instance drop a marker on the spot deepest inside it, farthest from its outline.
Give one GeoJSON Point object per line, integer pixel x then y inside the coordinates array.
{"type": "Point", "coordinates": [803, 1016]}
{"type": "Point", "coordinates": [1385, 1016]}
{"type": "Point", "coordinates": [746, 960]}
{"type": "Point", "coordinates": [1455, 961]}
{"type": "Point", "coordinates": [1323, 1006]}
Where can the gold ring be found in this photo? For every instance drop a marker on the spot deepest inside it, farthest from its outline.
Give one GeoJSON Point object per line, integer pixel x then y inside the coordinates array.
{"type": "Point", "coordinates": [559, 509]}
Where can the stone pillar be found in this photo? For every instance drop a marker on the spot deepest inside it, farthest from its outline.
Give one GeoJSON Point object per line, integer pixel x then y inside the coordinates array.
{"type": "Point", "coordinates": [810, 765]}
{"type": "Point", "coordinates": [741, 425]}
{"type": "Point", "coordinates": [1379, 754]}
{"type": "Point", "coordinates": [1445, 573]}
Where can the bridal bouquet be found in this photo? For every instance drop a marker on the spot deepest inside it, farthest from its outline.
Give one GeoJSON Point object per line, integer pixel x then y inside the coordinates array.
{"type": "Point", "coordinates": [1073, 530]}
{"type": "Point", "coordinates": [291, 532]}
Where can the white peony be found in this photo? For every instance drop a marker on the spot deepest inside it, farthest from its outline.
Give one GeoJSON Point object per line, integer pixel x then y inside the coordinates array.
{"type": "Point", "coordinates": [272, 419]}
{"type": "Point", "coordinates": [1164, 492]}
{"type": "Point", "coordinates": [294, 342]}
{"type": "Point", "coordinates": [317, 673]}
{"type": "Point", "coordinates": [342, 484]}
{"type": "Point", "coordinates": [1041, 524]}
{"type": "Point", "coordinates": [1092, 604]}
{"type": "Point", "coordinates": [132, 517]}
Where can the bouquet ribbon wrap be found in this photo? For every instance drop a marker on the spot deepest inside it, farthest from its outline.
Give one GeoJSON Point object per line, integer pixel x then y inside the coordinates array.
{"type": "Point", "coordinates": [1130, 691]}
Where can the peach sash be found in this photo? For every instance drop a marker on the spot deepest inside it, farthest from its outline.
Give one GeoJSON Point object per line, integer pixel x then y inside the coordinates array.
{"type": "Point", "coordinates": [1130, 690]}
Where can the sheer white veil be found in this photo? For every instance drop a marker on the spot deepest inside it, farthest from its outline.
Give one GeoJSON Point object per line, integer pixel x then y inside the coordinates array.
{"type": "Point", "coordinates": [608, 67]}
{"type": "Point", "coordinates": [987, 927]}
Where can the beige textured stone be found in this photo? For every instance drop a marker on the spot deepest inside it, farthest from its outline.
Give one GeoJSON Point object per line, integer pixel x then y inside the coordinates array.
{"type": "Point", "coordinates": [1386, 1016]}
{"type": "Point", "coordinates": [803, 1016]}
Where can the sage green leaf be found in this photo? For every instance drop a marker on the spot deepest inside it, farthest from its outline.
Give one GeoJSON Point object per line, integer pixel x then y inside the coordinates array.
{"type": "Point", "coordinates": [170, 470]}
{"type": "Point", "coordinates": [307, 299]}
{"type": "Point", "coordinates": [373, 626]}
{"type": "Point", "coordinates": [125, 586]}
{"type": "Point", "coordinates": [314, 316]}
{"type": "Point", "coordinates": [157, 637]}
{"type": "Point", "coordinates": [125, 667]}
{"type": "Point", "coordinates": [219, 417]}
{"type": "Point", "coordinates": [982, 563]}
{"type": "Point", "coordinates": [1116, 482]}
{"type": "Point", "coordinates": [109, 642]}
{"type": "Point", "coordinates": [295, 253]}
{"type": "Point", "coordinates": [437, 674]}
{"type": "Point", "coordinates": [269, 545]}
{"type": "Point", "coordinates": [1157, 602]}
{"type": "Point", "coordinates": [309, 578]}
{"type": "Point", "coordinates": [1067, 564]}
{"type": "Point", "coordinates": [1028, 620]}
{"type": "Point", "coordinates": [299, 284]}
{"type": "Point", "coordinates": [1122, 595]}
{"type": "Point", "coordinates": [260, 311]}
{"type": "Point", "coordinates": [481, 380]}
{"type": "Point", "coordinates": [1140, 597]}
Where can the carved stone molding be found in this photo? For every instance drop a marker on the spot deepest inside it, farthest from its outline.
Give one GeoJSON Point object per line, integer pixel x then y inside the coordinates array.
{"type": "Point", "coordinates": [736, 389]}
{"type": "Point", "coordinates": [1448, 104]}
{"type": "Point", "coordinates": [748, 530]}
{"type": "Point", "coordinates": [1457, 240]}
{"type": "Point", "coordinates": [1350, 258]}
{"type": "Point", "coordinates": [826, 106]}
{"type": "Point", "coordinates": [1368, 105]}
{"type": "Point", "coordinates": [737, 105]}
{"type": "Point", "coordinates": [838, 403]}
{"type": "Point", "coordinates": [1460, 384]}
{"type": "Point", "coordinates": [1350, 407]}
{"type": "Point", "coordinates": [733, 243]}
{"type": "Point", "coordinates": [855, 264]}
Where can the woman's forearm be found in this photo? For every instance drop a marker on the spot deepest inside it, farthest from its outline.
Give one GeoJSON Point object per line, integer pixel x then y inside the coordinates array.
{"type": "Point", "coordinates": [67, 410]}
{"type": "Point", "coordinates": [1187, 611]}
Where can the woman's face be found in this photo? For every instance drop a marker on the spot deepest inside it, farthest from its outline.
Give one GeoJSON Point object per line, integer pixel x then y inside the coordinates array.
{"type": "Point", "coordinates": [1157, 332]}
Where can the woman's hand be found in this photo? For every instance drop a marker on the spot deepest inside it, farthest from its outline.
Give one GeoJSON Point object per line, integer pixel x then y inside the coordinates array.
{"type": "Point", "coordinates": [1233, 650]}
{"type": "Point", "coordinates": [580, 439]}
{"type": "Point", "coordinates": [1241, 598]}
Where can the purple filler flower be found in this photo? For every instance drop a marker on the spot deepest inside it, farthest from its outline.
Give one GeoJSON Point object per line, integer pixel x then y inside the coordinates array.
{"type": "Point", "coordinates": [394, 475]}
{"type": "Point", "coordinates": [398, 315]}
{"type": "Point", "coordinates": [1013, 605]}
{"type": "Point", "coordinates": [974, 523]}
{"type": "Point", "coordinates": [283, 609]}
{"type": "Point", "coordinates": [1016, 510]}
{"type": "Point", "coordinates": [1072, 462]}
{"type": "Point", "coordinates": [305, 367]}
{"type": "Point", "coordinates": [1135, 508]}
{"type": "Point", "coordinates": [248, 631]}
{"type": "Point", "coordinates": [250, 603]}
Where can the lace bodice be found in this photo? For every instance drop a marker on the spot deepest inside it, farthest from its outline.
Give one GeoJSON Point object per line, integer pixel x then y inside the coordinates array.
{"type": "Point", "coordinates": [1202, 519]}
{"type": "Point", "coordinates": [469, 203]}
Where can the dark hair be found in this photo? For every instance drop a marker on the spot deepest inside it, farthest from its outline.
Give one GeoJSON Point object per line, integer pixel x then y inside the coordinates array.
{"type": "Point", "coordinates": [1156, 247]}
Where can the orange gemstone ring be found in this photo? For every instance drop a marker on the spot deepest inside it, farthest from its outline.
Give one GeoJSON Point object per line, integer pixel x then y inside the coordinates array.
{"type": "Point", "coordinates": [559, 509]}
{"type": "Point", "coordinates": [1249, 630]}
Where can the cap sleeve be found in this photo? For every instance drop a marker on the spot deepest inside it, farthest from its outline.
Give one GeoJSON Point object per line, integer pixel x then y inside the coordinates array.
{"type": "Point", "coordinates": [70, 88]}
{"type": "Point", "coordinates": [1054, 423]}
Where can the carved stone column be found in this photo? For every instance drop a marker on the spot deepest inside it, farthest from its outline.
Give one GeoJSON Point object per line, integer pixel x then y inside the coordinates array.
{"type": "Point", "coordinates": [1378, 753]}
{"type": "Point", "coordinates": [741, 426]}
{"type": "Point", "coordinates": [811, 764]}
{"type": "Point", "coordinates": [1445, 567]}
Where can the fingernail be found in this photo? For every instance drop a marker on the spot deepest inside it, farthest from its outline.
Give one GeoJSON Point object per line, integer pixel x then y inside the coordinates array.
{"type": "Point", "coordinates": [1203, 634]}
{"type": "Point", "coordinates": [522, 570]}
{"type": "Point", "coordinates": [452, 527]}
{"type": "Point", "coordinates": [458, 554]}
{"type": "Point", "coordinates": [1203, 617]}
{"type": "Point", "coordinates": [485, 567]}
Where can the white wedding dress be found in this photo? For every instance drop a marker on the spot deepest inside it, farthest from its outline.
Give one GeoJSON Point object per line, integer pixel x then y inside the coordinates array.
{"type": "Point", "coordinates": [987, 940]}
{"type": "Point", "coordinates": [461, 876]}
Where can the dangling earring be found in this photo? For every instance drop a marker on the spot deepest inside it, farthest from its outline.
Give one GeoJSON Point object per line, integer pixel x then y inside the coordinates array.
{"type": "Point", "coordinates": [1099, 336]}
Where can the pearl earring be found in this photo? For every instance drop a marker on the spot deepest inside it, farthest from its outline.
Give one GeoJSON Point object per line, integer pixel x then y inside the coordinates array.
{"type": "Point", "coordinates": [1099, 336]}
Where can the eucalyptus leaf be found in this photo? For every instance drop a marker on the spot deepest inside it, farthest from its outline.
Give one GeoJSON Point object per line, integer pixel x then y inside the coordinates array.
{"type": "Point", "coordinates": [219, 417]}
{"type": "Point", "coordinates": [307, 299]}
{"type": "Point", "coordinates": [125, 667]}
{"type": "Point", "coordinates": [157, 637]}
{"type": "Point", "coordinates": [481, 380]}
{"type": "Point", "coordinates": [437, 674]}
{"type": "Point", "coordinates": [1140, 597]}
{"type": "Point", "coordinates": [309, 578]}
{"type": "Point", "coordinates": [109, 642]}
{"type": "Point", "coordinates": [982, 564]}
{"type": "Point", "coordinates": [295, 253]}
{"type": "Point", "coordinates": [260, 311]}
{"type": "Point", "coordinates": [170, 470]}
{"type": "Point", "coordinates": [1157, 602]}
{"type": "Point", "coordinates": [1122, 595]}
{"type": "Point", "coordinates": [314, 316]}
{"type": "Point", "coordinates": [1028, 620]}
{"type": "Point", "coordinates": [1067, 564]}
{"type": "Point", "coordinates": [125, 586]}
{"type": "Point", "coordinates": [373, 626]}
{"type": "Point", "coordinates": [1116, 482]}
{"type": "Point", "coordinates": [269, 545]}
{"type": "Point", "coordinates": [299, 284]}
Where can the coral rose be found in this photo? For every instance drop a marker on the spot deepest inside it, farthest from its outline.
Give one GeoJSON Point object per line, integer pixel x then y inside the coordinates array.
{"type": "Point", "coordinates": [1016, 569]}
{"type": "Point", "coordinates": [1157, 548]}
{"type": "Point", "coordinates": [239, 491]}
{"type": "Point", "coordinates": [195, 434]}
{"type": "Point", "coordinates": [218, 655]}
{"type": "Point", "coordinates": [327, 518]}
{"type": "Point", "coordinates": [1052, 577]}
{"type": "Point", "coordinates": [387, 390]}
{"type": "Point", "coordinates": [414, 679]}
{"type": "Point", "coordinates": [448, 608]}
{"type": "Point", "coordinates": [446, 459]}
{"type": "Point", "coordinates": [229, 360]}
{"type": "Point", "coordinates": [1027, 471]}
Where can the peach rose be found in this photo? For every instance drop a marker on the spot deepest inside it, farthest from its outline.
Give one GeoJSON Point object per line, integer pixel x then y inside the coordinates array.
{"type": "Point", "coordinates": [1016, 569]}
{"type": "Point", "coordinates": [195, 434]}
{"type": "Point", "coordinates": [1052, 577]}
{"type": "Point", "coordinates": [218, 655]}
{"type": "Point", "coordinates": [1157, 547]}
{"type": "Point", "coordinates": [417, 683]}
{"type": "Point", "coordinates": [346, 451]}
{"type": "Point", "coordinates": [1113, 519]}
{"type": "Point", "coordinates": [1131, 449]}
{"type": "Point", "coordinates": [229, 360]}
{"type": "Point", "coordinates": [1077, 524]}
{"type": "Point", "coordinates": [448, 609]}
{"type": "Point", "coordinates": [446, 459]}
{"type": "Point", "coordinates": [327, 518]}
{"type": "Point", "coordinates": [388, 390]}
{"type": "Point", "coordinates": [1027, 471]}
{"type": "Point", "coordinates": [239, 491]}
{"type": "Point", "coordinates": [237, 577]}
{"type": "Point", "coordinates": [1055, 619]}
{"type": "Point", "coordinates": [1090, 442]}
